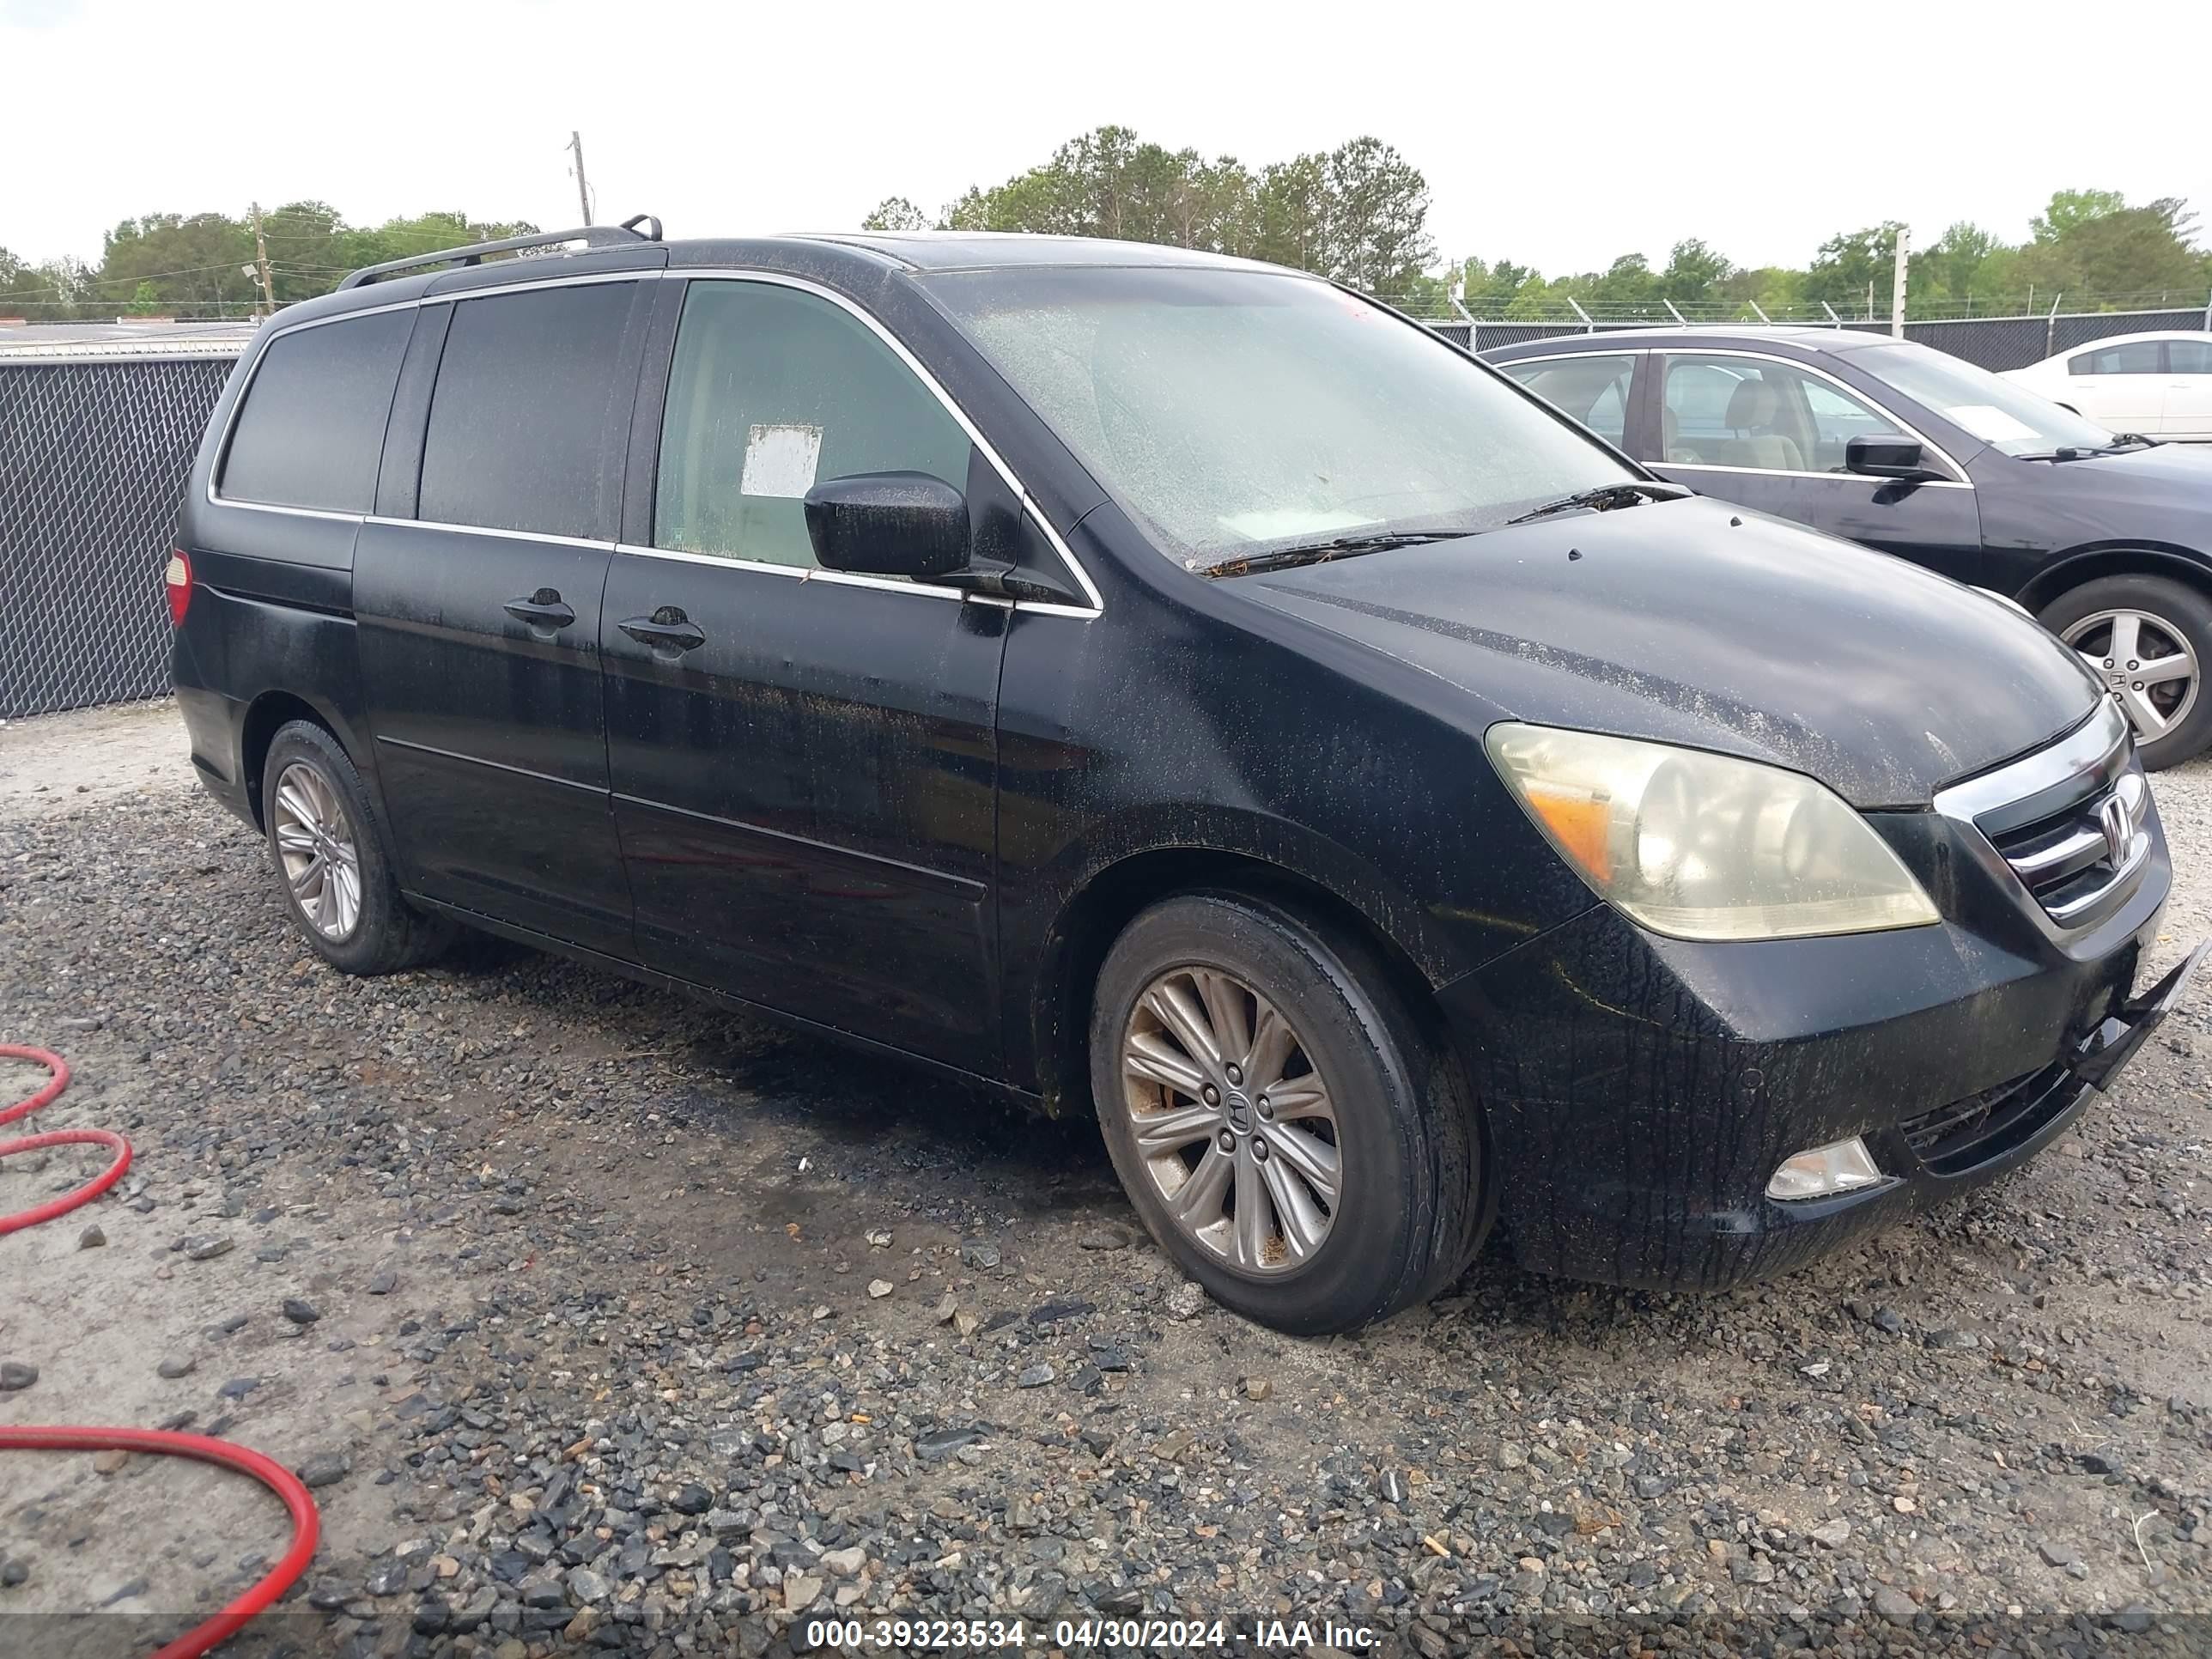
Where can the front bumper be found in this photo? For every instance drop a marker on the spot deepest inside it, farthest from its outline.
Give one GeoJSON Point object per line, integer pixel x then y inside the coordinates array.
{"type": "Point", "coordinates": [1642, 1091]}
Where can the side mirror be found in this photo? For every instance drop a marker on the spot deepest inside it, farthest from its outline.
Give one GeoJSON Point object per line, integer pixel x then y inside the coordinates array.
{"type": "Point", "coordinates": [1887, 457]}
{"type": "Point", "coordinates": [888, 524]}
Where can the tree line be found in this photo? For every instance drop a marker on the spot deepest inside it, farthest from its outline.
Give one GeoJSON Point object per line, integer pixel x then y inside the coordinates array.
{"type": "Point", "coordinates": [2088, 251]}
{"type": "Point", "coordinates": [1357, 213]}
{"type": "Point", "coordinates": [204, 264]}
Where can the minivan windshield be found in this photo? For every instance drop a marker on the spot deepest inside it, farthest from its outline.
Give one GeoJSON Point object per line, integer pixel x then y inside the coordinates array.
{"type": "Point", "coordinates": [1239, 414]}
{"type": "Point", "coordinates": [2004, 415]}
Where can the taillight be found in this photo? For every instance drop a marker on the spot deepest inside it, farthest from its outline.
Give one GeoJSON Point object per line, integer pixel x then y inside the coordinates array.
{"type": "Point", "coordinates": [178, 579]}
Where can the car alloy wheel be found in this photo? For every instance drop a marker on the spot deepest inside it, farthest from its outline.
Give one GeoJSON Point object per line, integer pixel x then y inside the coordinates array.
{"type": "Point", "coordinates": [1234, 1125]}
{"type": "Point", "coordinates": [2144, 661]}
{"type": "Point", "coordinates": [316, 844]}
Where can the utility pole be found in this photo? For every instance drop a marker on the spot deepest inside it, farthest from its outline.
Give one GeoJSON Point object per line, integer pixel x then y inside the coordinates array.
{"type": "Point", "coordinates": [583, 190]}
{"type": "Point", "coordinates": [261, 265]}
{"type": "Point", "coordinates": [1897, 286]}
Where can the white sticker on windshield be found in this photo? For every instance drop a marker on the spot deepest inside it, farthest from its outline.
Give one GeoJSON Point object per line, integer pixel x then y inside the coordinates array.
{"type": "Point", "coordinates": [779, 460]}
{"type": "Point", "coordinates": [1989, 423]}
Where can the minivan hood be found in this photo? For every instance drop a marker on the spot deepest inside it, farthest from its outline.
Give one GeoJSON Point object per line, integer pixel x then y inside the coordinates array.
{"type": "Point", "coordinates": [1694, 623]}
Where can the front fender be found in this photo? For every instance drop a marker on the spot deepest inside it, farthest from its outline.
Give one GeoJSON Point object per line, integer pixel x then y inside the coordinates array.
{"type": "Point", "coordinates": [1142, 855]}
{"type": "Point", "coordinates": [2087, 564]}
{"type": "Point", "coordinates": [1156, 832]}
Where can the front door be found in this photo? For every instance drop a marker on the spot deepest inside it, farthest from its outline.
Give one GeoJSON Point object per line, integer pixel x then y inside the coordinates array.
{"type": "Point", "coordinates": [1771, 434]}
{"type": "Point", "coordinates": [477, 591]}
{"type": "Point", "coordinates": [803, 762]}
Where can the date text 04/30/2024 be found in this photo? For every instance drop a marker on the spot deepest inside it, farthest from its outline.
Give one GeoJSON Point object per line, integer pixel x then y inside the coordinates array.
{"type": "Point", "coordinates": [1078, 1635]}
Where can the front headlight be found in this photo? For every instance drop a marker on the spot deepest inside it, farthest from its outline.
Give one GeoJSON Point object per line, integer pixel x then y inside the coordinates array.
{"type": "Point", "coordinates": [1701, 846]}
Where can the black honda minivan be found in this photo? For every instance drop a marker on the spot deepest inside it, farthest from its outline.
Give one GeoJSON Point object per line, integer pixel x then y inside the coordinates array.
{"type": "Point", "coordinates": [1141, 678]}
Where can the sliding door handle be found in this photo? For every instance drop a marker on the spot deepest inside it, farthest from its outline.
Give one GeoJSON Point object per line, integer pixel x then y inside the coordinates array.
{"type": "Point", "coordinates": [668, 631]}
{"type": "Point", "coordinates": [543, 611]}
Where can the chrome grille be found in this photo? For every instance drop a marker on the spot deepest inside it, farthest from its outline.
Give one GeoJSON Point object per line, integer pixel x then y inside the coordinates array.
{"type": "Point", "coordinates": [2076, 860]}
{"type": "Point", "coordinates": [2071, 823]}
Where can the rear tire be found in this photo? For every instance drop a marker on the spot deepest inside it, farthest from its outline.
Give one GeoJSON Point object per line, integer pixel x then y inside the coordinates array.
{"type": "Point", "coordinates": [2169, 621]}
{"type": "Point", "coordinates": [1354, 1189]}
{"type": "Point", "coordinates": [333, 877]}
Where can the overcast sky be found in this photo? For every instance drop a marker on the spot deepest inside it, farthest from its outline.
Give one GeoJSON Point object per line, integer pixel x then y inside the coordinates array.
{"type": "Point", "coordinates": [1563, 136]}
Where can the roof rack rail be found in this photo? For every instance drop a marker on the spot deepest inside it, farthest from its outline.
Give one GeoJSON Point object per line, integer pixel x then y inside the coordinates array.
{"type": "Point", "coordinates": [473, 253]}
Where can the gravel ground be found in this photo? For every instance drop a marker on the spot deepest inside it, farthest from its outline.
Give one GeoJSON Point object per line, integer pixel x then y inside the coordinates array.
{"type": "Point", "coordinates": [607, 1322]}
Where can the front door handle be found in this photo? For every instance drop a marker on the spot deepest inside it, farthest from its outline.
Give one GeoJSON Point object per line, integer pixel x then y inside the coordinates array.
{"type": "Point", "coordinates": [667, 630]}
{"type": "Point", "coordinates": [543, 611]}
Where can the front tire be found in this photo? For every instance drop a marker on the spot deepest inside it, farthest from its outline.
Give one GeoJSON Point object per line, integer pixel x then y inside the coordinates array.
{"type": "Point", "coordinates": [332, 876]}
{"type": "Point", "coordinates": [2149, 641]}
{"type": "Point", "coordinates": [1284, 1124]}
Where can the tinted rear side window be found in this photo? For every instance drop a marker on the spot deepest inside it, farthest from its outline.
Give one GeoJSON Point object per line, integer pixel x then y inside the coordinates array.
{"type": "Point", "coordinates": [518, 422]}
{"type": "Point", "coordinates": [311, 431]}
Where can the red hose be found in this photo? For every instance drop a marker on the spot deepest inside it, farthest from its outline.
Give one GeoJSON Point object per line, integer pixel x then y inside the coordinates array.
{"type": "Point", "coordinates": [46, 1097]}
{"type": "Point", "coordinates": [307, 1524]}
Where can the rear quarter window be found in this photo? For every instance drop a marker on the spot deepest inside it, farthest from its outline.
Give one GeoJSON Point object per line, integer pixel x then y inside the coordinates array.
{"type": "Point", "coordinates": [311, 430]}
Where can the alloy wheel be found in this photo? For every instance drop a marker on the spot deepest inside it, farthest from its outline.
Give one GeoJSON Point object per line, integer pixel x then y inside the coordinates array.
{"type": "Point", "coordinates": [315, 844]}
{"type": "Point", "coordinates": [1234, 1125]}
{"type": "Point", "coordinates": [2144, 662]}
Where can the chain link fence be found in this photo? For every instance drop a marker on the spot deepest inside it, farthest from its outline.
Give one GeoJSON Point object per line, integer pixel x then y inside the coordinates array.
{"type": "Point", "coordinates": [93, 456]}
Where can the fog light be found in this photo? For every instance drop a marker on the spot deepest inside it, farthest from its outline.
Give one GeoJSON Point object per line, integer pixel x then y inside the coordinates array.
{"type": "Point", "coordinates": [1824, 1171]}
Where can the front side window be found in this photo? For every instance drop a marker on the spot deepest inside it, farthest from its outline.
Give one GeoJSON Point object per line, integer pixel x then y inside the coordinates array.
{"type": "Point", "coordinates": [1236, 414]}
{"type": "Point", "coordinates": [773, 390]}
{"type": "Point", "coordinates": [1593, 389]}
{"type": "Point", "coordinates": [2135, 357]}
{"type": "Point", "coordinates": [311, 431]}
{"type": "Point", "coordinates": [1761, 414]}
{"type": "Point", "coordinates": [1693, 411]}
{"type": "Point", "coordinates": [1838, 418]}
{"type": "Point", "coordinates": [525, 410]}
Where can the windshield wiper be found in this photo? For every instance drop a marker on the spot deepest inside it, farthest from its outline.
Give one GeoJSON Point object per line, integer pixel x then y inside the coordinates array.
{"type": "Point", "coordinates": [1337, 547]}
{"type": "Point", "coordinates": [2121, 440]}
{"type": "Point", "coordinates": [1629, 493]}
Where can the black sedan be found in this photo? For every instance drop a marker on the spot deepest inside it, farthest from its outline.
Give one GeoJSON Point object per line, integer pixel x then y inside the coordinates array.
{"type": "Point", "coordinates": [2106, 539]}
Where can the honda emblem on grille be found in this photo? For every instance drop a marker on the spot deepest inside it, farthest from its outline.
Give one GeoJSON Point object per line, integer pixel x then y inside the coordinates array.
{"type": "Point", "coordinates": [2112, 819]}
